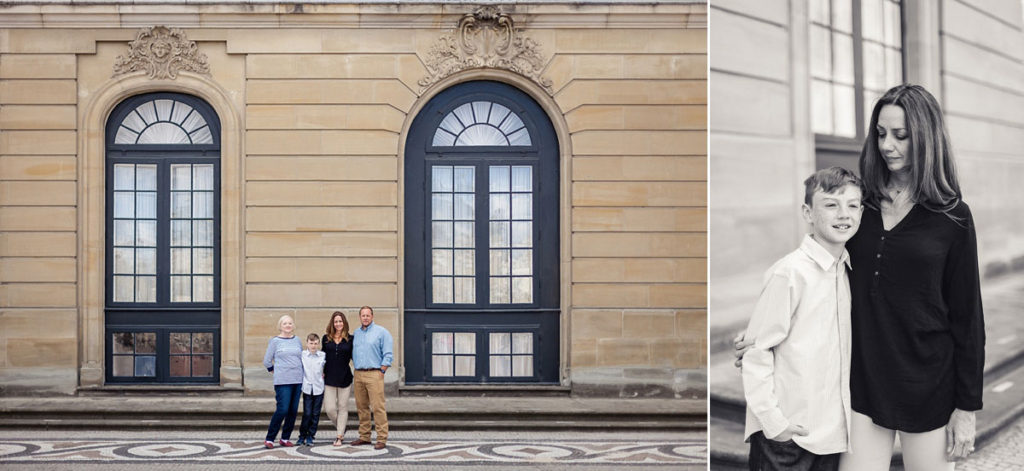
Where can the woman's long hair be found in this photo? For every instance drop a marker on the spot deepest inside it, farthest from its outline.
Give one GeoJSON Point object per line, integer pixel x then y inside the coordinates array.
{"type": "Point", "coordinates": [933, 176]}
{"type": "Point", "coordinates": [330, 326]}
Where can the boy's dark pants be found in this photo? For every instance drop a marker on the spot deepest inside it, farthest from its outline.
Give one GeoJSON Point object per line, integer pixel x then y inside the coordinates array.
{"type": "Point", "coordinates": [310, 414]}
{"type": "Point", "coordinates": [770, 455]}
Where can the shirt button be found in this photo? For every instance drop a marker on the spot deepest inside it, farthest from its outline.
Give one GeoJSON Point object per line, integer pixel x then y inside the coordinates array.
{"type": "Point", "coordinates": [883, 237]}
{"type": "Point", "coordinates": [878, 256]}
{"type": "Point", "coordinates": [876, 273]}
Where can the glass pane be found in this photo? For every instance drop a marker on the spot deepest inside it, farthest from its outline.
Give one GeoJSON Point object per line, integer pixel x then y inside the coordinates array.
{"type": "Point", "coordinates": [501, 365]}
{"type": "Point", "coordinates": [842, 49]}
{"type": "Point", "coordinates": [465, 342]}
{"type": "Point", "coordinates": [181, 289]}
{"type": "Point", "coordinates": [145, 366]}
{"type": "Point", "coordinates": [164, 133]}
{"type": "Point", "coordinates": [442, 289]}
{"type": "Point", "coordinates": [124, 177]}
{"type": "Point", "coordinates": [871, 21]}
{"type": "Point", "coordinates": [145, 261]}
{"type": "Point", "coordinates": [181, 233]}
{"type": "Point", "coordinates": [202, 342]}
{"type": "Point", "coordinates": [441, 365]}
{"type": "Point", "coordinates": [821, 111]}
{"type": "Point", "coordinates": [202, 366]}
{"type": "Point", "coordinates": [481, 111]}
{"type": "Point", "coordinates": [202, 204]}
{"type": "Point", "coordinates": [893, 67]}
{"type": "Point", "coordinates": [145, 342]}
{"type": "Point", "coordinates": [500, 290]}
{"type": "Point", "coordinates": [441, 234]}
{"type": "Point", "coordinates": [464, 235]}
{"type": "Point", "coordinates": [124, 365]}
{"type": "Point", "coordinates": [441, 207]}
{"type": "Point", "coordinates": [481, 135]}
{"type": "Point", "coordinates": [874, 66]}
{"type": "Point", "coordinates": [819, 11]}
{"type": "Point", "coordinates": [498, 114]}
{"type": "Point", "coordinates": [181, 177]}
{"type": "Point", "coordinates": [522, 206]}
{"type": "Point", "coordinates": [500, 343]}
{"type": "Point", "coordinates": [443, 138]}
{"type": "Point", "coordinates": [522, 178]}
{"type": "Point", "coordinates": [202, 136]}
{"type": "Point", "coordinates": [511, 124]}
{"type": "Point", "coordinates": [202, 233]}
{"type": "Point", "coordinates": [180, 365]}
{"type": "Point", "coordinates": [145, 289]}
{"type": "Point", "coordinates": [465, 114]}
{"type": "Point", "coordinates": [522, 233]}
{"type": "Point", "coordinates": [499, 263]}
{"type": "Point", "coordinates": [452, 124]}
{"type": "Point", "coordinates": [893, 33]}
{"type": "Point", "coordinates": [522, 365]}
{"type": "Point", "coordinates": [124, 232]}
{"type": "Point", "coordinates": [125, 136]}
{"type": "Point", "coordinates": [845, 111]}
{"type": "Point", "coordinates": [821, 53]}
{"type": "Point", "coordinates": [464, 209]}
{"type": "Point", "coordinates": [441, 262]}
{"type": "Point", "coordinates": [124, 204]}
{"type": "Point", "coordinates": [124, 289]}
{"type": "Point", "coordinates": [147, 111]}
{"type": "Point", "coordinates": [123, 342]}
{"type": "Point", "coordinates": [145, 233]}
{"type": "Point", "coordinates": [163, 109]}
{"type": "Point", "coordinates": [441, 179]}
{"type": "Point", "coordinates": [464, 262]}
{"type": "Point", "coordinates": [519, 138]}
{"type": "Point", "coordinates": [522, 262]}
{"type": "Point", "coordinates": [522, 289]}
{"type": "Point", "coordinates": [145, 177]}
{"type": "Point", "coordinates": [202, 177]}
{"type": "Point", "coordinates": [193, 121]}
{"type": "Point", "coordinates": [442, 342]}
{"type": "Point", "coordinates": [465, 179]}
{"type": "Point", "coordinates": [499, 179]}
{"type": "Point", "coordinates": [202, 261]}
{"type": "Point", "coordinates": [500, 236]}
{"type": "Point", "coordinates": [522, 342]}
{"type": "Point", "coordinates": [202, 289]}
{"type": "Point", "coordinates": [181, 261]}
{"type": "Point", "coordinates": [842, 15]}
{"type": "Point", "coordinates": [124, 260]}
{"type": "Point", "coordinates": [181, 342]}
{"type": "Point", "coordinates": [500, 206]}
{"type": "Point", "coordinates": [181, 110]}
{"type": "Point", "coordinates": [181, 205]}
{"type": "Point", "coordinates": [465, 290]}
{"type": "Point", "coordinates": [145, 205]}
{"type": "Point", "coordinates": [465, 366]}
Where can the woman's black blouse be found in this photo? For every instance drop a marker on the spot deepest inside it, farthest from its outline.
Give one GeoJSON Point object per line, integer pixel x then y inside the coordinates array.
{"type": "Point", "coordinates": [337, 372]}
{"type": "Point", "coordinates": [918, 327]}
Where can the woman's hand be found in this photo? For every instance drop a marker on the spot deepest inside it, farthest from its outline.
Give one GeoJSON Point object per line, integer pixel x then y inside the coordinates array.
{"type": "Point", "coordinates": [741, 346]}
{"type": "Point", "coordinates": [960, 435]}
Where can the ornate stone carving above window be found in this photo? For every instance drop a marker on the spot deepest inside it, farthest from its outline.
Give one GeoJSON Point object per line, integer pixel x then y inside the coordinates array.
{"type": "Point", "coordinates": [162, 52]}
{"type": "Point", "coordinates": [485, 38]}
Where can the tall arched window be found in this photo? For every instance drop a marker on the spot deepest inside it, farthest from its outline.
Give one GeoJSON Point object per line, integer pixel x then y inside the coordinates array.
{"type": "Point", "coordinates": [162, 240]}
{"type": "Point", "coordinates": [481, 253]}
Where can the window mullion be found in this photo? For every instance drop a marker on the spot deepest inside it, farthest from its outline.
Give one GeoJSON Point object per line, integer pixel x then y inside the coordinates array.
{"type": "Point", "coordinates": [858, 70]}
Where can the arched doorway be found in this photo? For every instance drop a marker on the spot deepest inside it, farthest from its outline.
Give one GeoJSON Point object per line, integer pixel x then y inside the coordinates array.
{"type": "Point", "coordinates": [481, 239]}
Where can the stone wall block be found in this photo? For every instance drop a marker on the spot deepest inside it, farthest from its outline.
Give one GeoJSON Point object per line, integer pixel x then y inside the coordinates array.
{"type": "Point", "coordinates": [596, 323]}
{"type": "Point", "coordinates": [37, 269]}
{"type": "Point", "coordinates": [24, 295]}
{"type": "Point", "coordinates": [648, 324]}
{"type": "Point", "coordinates": [623, 352]}
{"type": "Point", "coordinates": [639, 219]}
{"type": "Point", "coordinates": [640, 142]}
{"type": "Point", "coordinates": [322, 244]}
{"type": "Point", "coordinates": [38, 244]}
{"type": "Point", "coordinates": [37, 117]}
{"type": "Point", "coordinates": [587, 244]}
{"type": "Point", "coordinates": [643, 194]}
{"type": "Point", "coordinates": [37, 193]}
{"type": "Point", "coordinates": [322, 168]}
{"type": "Point", "coordinates": [41, 218]}
{"type": "Point", "coordinates": [37, 92]}
{"type": "Point", "coordinates": [321, 194]}
{"type": "Point", "coordinates": [37, 167]}
{"type": "Point", "coordinates": [300, 219]}
{"type": "Point", "coordinates": [321, 269]}
{"type": "Point", "coordinates": [37, 66]}
{"type": "Point", "coordinates": [38, 142]}
{"type": "Point", "coordinates": [639, 168]}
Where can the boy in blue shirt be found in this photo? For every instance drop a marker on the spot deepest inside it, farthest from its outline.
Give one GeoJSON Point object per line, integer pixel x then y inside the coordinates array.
{"type": "Point", "coordinates": [312, 389]}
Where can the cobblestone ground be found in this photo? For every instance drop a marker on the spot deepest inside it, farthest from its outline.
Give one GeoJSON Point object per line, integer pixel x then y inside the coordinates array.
{"type": "Point", "coordinates": [1005, 453]}
{"type": "Point", "coordinates": [83, 450]}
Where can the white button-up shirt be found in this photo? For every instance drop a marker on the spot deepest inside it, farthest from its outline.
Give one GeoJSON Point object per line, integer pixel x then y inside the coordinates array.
{"type": "Point", "coordinates": [798, 370]}
{"type": "Point", "coordinates": [313, 372]}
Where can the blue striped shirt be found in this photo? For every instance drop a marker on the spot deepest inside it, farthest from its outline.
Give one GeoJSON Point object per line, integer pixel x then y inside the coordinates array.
{"type": "Point", "coordinates": [371, 347]}
{"type": "Point", "coordinates": [284, 358]}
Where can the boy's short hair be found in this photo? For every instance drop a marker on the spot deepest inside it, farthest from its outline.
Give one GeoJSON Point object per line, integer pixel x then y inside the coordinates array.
{"type": "Point", "coordinates": [828, 180]}
{"type": "Point", "coordinates": [313, 336]}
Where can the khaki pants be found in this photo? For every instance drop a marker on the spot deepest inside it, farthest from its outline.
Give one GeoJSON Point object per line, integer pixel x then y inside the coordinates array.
{"type": "Point", "coordinates": [369, 390]}
{"type": "Point", "coordinates": [336, 404]}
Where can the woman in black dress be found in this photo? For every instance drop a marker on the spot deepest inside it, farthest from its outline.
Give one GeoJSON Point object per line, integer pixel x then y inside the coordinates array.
{"type": "Point", "coordinates": [337, 346]}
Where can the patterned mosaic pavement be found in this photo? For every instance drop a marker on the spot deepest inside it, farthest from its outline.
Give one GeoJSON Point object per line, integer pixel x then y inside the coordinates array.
{"type": "Point", "coordinates": [435, 450]}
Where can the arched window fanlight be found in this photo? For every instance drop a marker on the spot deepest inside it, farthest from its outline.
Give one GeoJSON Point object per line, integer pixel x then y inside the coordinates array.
{"type": "Point", "coordinates": [163, 121]}
{"type": "Point", "coordinates": [481, 123]}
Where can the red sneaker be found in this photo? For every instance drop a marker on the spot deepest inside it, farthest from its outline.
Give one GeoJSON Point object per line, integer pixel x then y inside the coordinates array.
{"type": "Point", "coordinates": [286, 443]}
{"type": "Point", "coordinates": [268, 444]}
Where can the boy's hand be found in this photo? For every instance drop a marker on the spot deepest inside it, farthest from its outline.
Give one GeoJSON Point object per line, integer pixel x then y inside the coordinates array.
{"type": "Point", "coordinates": [790, 431]}
{"type": "Point", "coordinates": [960, 435]}
{"type": "Point", "coordinates": [741, 346]}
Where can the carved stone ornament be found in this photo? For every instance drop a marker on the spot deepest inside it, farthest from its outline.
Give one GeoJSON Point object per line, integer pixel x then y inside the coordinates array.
{"type": "Point", "coordinates": [162, 52]}
{"type": "Point", "coordinates": [485, 38]}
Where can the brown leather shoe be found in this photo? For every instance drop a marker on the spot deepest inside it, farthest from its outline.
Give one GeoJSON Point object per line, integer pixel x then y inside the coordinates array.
{"type": "Point", "coordinates": [360, 441]}
{"type": "Point", "coordinates": [379, 446]}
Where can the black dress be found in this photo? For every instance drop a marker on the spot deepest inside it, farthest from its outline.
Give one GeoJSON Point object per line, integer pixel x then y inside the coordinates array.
{"type": "Point", "coordinates": [337, 372]}
{"type": "Point", "coordinates": [918, 327]}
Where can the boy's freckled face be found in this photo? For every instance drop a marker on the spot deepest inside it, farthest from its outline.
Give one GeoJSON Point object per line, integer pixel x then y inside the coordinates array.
{"type": "Point", "coordinates": [834, 217]}
{"type": "Point", "coordinates": [312, 345]}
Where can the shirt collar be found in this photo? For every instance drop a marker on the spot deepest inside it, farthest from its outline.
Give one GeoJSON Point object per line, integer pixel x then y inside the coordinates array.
{"type": "Point", "coordinates": [367, 328]}
{"type": "Point", "coordinates": [816, 252]}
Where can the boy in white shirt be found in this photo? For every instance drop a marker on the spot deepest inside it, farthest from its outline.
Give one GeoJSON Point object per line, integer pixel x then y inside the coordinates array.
{"type": "Point", "coordinates": [312, 389]}
{"type": "Point", "coordinates": [796, 376]}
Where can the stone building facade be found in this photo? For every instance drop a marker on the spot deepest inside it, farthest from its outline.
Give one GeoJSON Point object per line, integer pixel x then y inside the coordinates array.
{"type": "Point", "coordinates": [519, 190]}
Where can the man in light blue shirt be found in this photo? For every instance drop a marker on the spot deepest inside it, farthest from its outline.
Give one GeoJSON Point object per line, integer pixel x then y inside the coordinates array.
{"type": "Point", "coordinates": [371, 356]}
